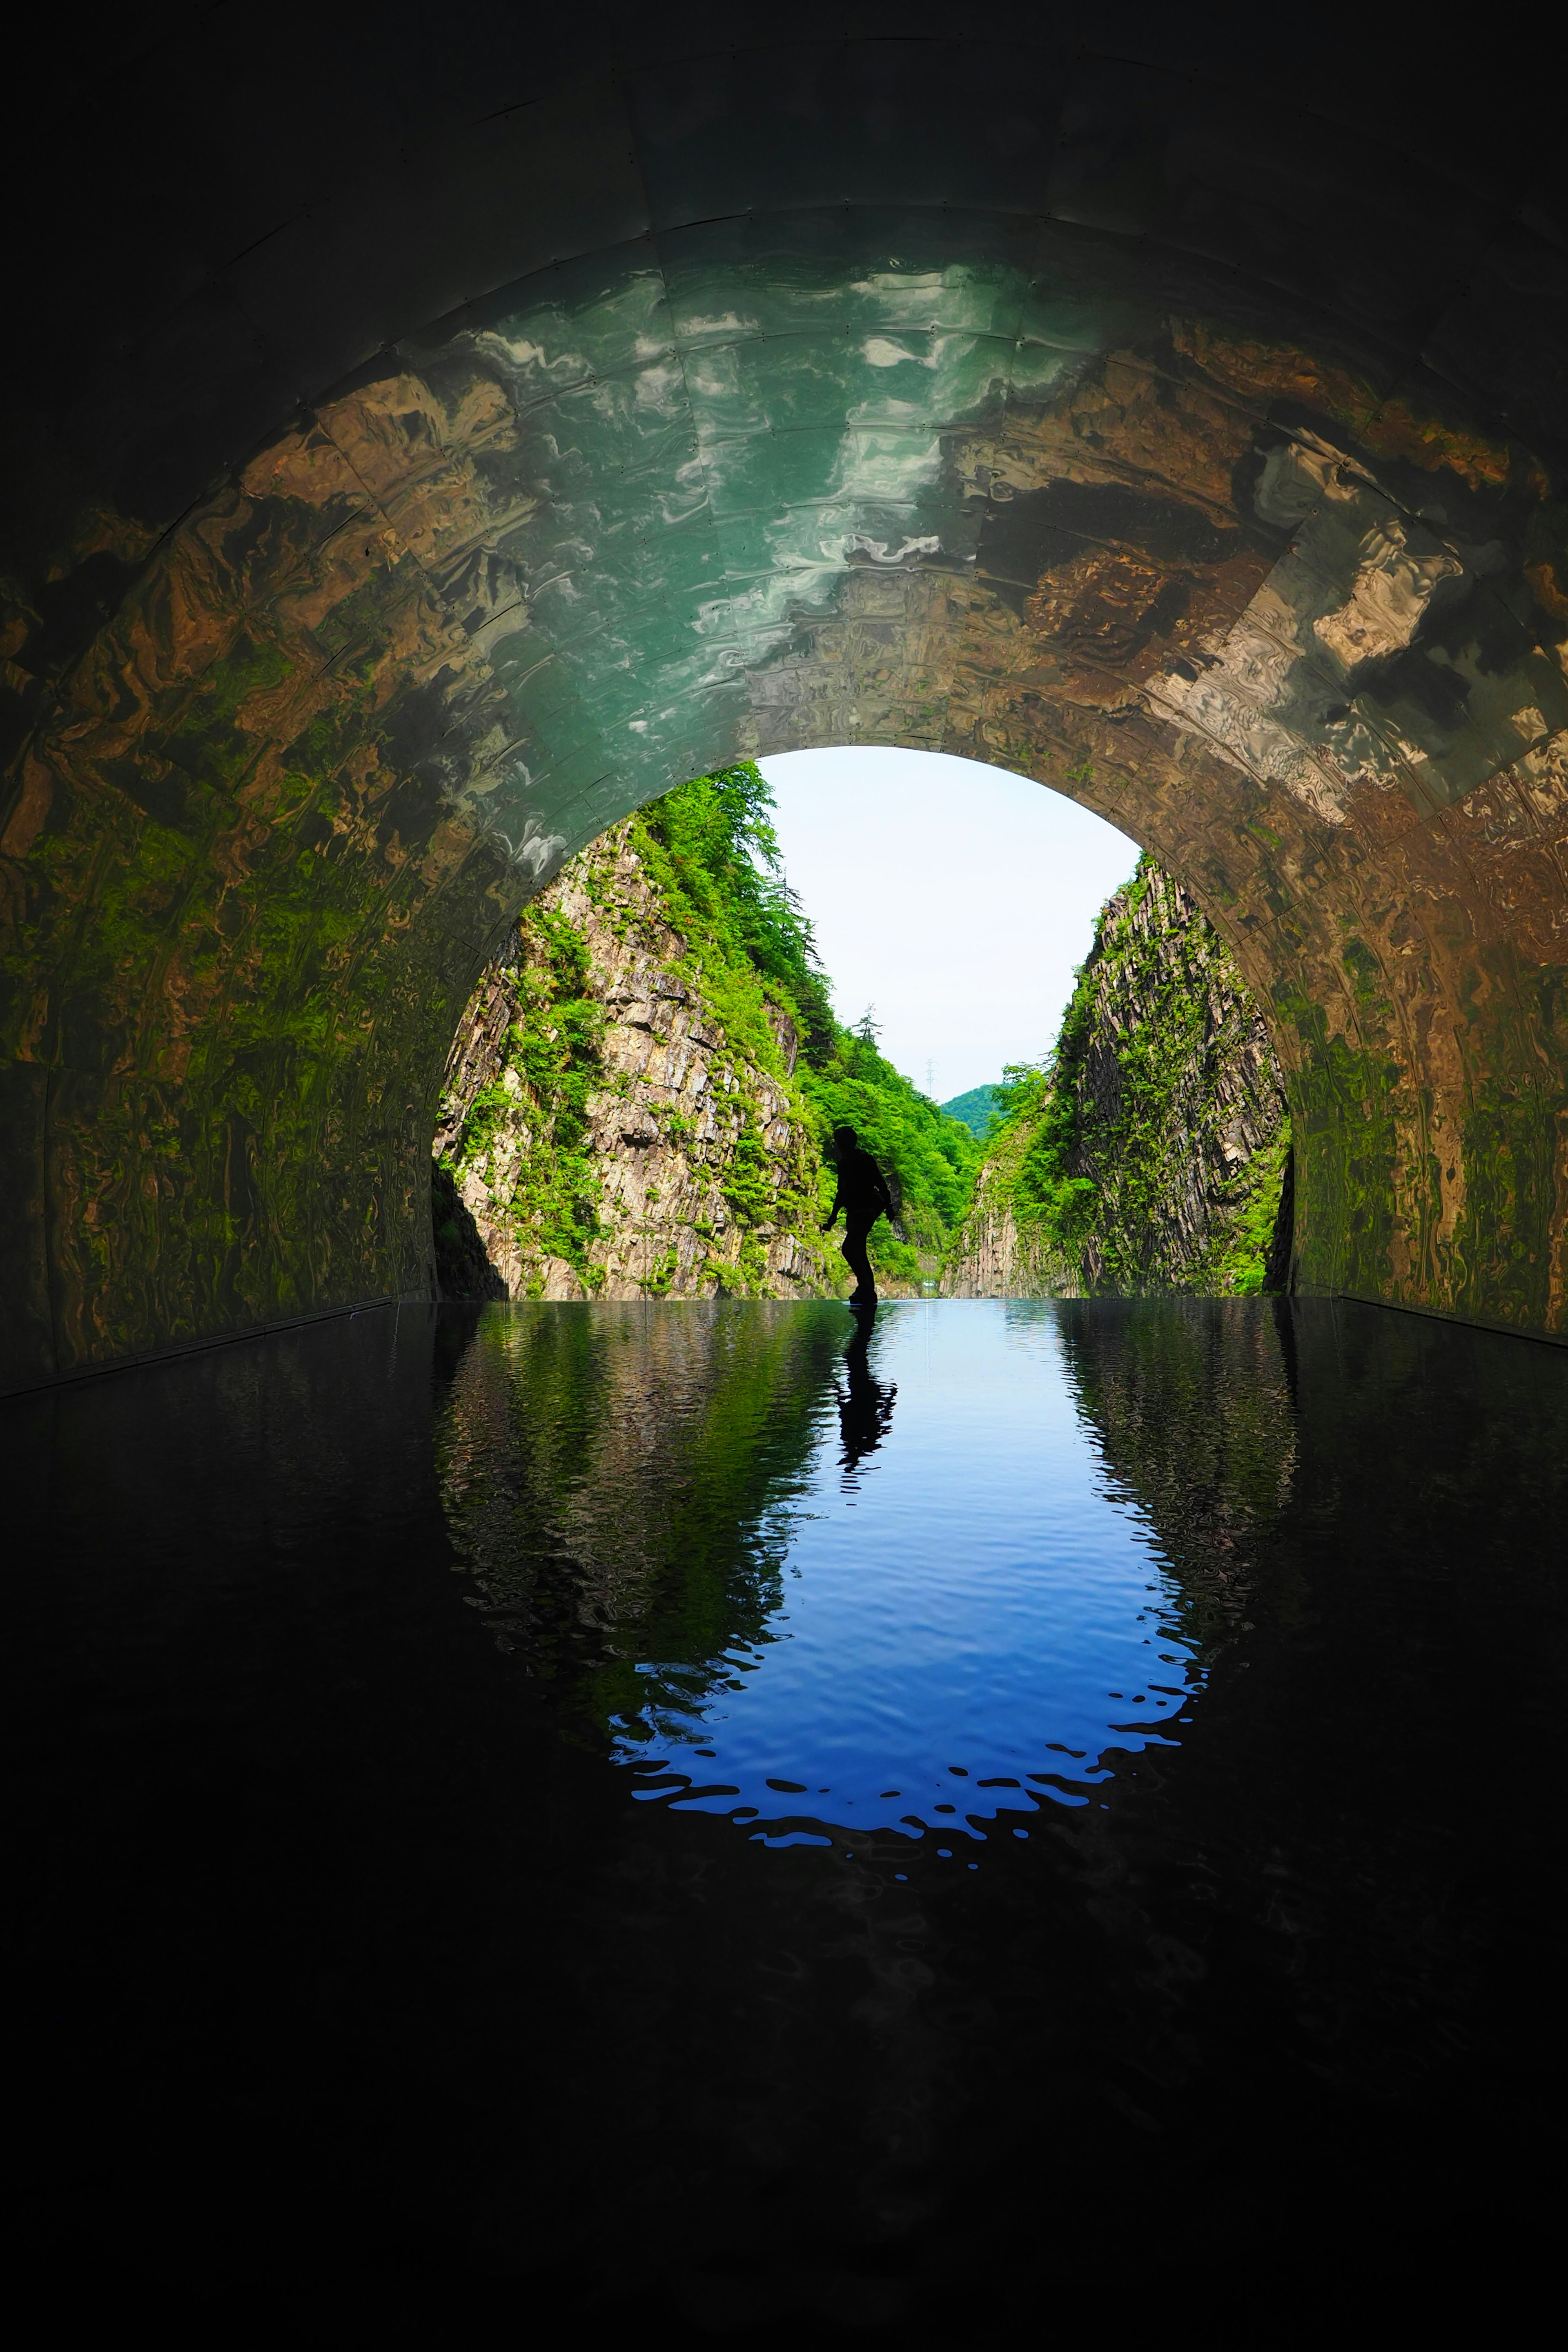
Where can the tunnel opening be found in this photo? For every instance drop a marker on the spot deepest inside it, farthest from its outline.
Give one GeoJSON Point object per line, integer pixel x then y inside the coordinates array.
{"type": "Point", "coordinates": [643, 1091]}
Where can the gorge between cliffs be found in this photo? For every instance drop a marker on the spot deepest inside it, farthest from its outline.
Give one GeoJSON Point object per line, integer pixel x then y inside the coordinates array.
{"type": "Point", "coordinates": [640, 1097]}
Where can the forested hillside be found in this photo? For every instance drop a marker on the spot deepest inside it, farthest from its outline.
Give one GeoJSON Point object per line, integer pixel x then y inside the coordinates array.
{"type": "Point", "coordinates": [1150, 1151]}
{"type": "Point", "coordinates": [641, 1096]}
{"type": "Point", "coordinates": [641, 1093]}
{"type": "Point", "coordinates": [976, 1110]}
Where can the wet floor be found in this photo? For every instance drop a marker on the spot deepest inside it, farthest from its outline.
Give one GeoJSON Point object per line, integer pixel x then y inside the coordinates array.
{"type": "Point", "coordinates": [707, 1814]}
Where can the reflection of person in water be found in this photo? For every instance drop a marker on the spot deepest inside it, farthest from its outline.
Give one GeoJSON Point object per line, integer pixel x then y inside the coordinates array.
{"type": "Point", "coordinates": [866, 1407]}
{"type": "Point", "coordinates": [863, 1197]}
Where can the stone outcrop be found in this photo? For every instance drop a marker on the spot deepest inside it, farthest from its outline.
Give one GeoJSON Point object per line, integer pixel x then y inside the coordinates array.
{"type": "Point", "coordinates": [994, 1256]}
{"type": "Point", "coordinates": [1181, 1099]}
{"type": "Point", "coordinates": [1170, 1170]}
{"type": "Point", "coordinates": [699, 1165]}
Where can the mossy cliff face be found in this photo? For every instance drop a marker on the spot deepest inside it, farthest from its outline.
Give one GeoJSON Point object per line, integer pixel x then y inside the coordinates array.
{"type": "Point", "coordinates": [995, 1256]}
{"type": "Point", "coordinates": [1155, 1155]}
{"type": "Point", "coordinates": [603, 1127]}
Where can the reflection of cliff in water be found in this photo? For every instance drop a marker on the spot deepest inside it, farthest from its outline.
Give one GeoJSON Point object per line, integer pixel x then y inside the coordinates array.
{"type": "Point", "coordinates": [1285, 1449]}
{"type": "Point", "coordinates": [617, 1479]}
{"type": "Point", "coordinates": [1190, 1402]}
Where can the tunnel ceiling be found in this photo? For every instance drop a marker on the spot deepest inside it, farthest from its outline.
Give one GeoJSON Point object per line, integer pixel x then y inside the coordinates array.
{"type": "Point", "coordinates": [451, 451]}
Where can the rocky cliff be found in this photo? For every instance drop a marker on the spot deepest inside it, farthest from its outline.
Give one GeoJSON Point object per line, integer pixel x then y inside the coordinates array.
{"type": "Point", "coordinates": [996, 1254]}
{"type": "Point", "coordinates": [603, 1130]}
{"type": "Point", "coordinates": [1151, 1153]}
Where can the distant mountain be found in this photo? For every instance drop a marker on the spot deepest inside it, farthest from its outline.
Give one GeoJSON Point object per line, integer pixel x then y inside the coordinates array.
{"type": "Point", "coordinates": [976, 1110]}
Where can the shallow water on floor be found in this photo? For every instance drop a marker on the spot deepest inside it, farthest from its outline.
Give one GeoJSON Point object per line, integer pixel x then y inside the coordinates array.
{"type": "Point", "coordinates": [713, 1817]}
{"type": "Point", "coordinates": [945, 1614]}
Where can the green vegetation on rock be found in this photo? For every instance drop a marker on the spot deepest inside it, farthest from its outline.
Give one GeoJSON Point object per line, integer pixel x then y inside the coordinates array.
{"type": "Point", "coordinates": [713, 856]}
{"type": "Point", "coordinates": [712, 846]}
{"type": "Point", "coordinates": [687, 899]}
{"type": "Point", "coordinates": [652, 1073]}
{"type": "Point", "coordinates": [554, 1045]}
{"type": "Point", "coordinates": [1150, 1151]}
{"type": "Point", "coordinates": [930, 1161]}
{"type": "Point", "coordinates": [976, 1110]}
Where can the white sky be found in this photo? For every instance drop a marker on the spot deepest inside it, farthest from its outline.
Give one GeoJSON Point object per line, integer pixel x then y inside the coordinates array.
{"type": "Point", "coordinates": [953, 898]}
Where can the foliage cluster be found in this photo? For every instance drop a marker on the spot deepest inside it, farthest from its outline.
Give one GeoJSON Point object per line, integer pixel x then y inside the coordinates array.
{"type": "Point", "coordinates": [930, 1161]}
{"type": "Point", "coordinates": [711, 849]}
{"type": "Point", "coordinates": [554, 1047]}
{"type": "Point", "coordinates": [1050, 1192]}
{"type": "Point", "coordinates": [710, 857]}
{"type": "Point", "coordinates": [1093, 1170]}
{"type": "Point", "coordinates": [711, 852]}
{"type": "Point", "coordinates": [976, 1110]}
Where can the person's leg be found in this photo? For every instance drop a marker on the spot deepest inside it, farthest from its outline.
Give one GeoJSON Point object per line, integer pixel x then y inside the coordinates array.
{"type": "Point", "coordinates": [858, 1261]}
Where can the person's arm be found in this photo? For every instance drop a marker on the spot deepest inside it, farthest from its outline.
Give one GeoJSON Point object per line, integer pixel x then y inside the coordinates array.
{"type": "Point", "coordinates": [886, 1198]}
{"type": "Point", "coordinates": [832, 1216]}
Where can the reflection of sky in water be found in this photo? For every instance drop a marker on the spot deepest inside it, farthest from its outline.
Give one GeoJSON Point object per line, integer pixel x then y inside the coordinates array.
{"type": "Point", "coordinates": [967, 1611]}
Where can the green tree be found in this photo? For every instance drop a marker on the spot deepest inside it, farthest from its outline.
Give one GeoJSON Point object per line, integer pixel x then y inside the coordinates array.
{"type": "Point", "coordinates": [712, 846]}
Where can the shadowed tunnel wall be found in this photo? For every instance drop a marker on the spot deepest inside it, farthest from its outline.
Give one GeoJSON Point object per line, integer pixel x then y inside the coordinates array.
{"type": "Point", "coordinates": [426, 440]}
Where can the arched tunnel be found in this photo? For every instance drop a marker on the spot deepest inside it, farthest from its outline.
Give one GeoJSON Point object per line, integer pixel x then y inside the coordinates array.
{"type": "Point", "coordinates": [730, 1815]}
{"type": "Point", "coordinates": [424, 445]}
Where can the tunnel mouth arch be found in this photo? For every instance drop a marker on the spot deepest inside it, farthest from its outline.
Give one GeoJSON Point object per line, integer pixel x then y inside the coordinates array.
{"type": "Point", "coordinates": [647, 1085]}
{"type": "Point", "coordinates": [1255, 560]}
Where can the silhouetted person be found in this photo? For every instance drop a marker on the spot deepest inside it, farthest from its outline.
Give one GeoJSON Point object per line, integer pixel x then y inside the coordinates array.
{"type": "Point", "coordinates": [866, 1407]}
{"type": "Point", "coordinates": [863, 1197]}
